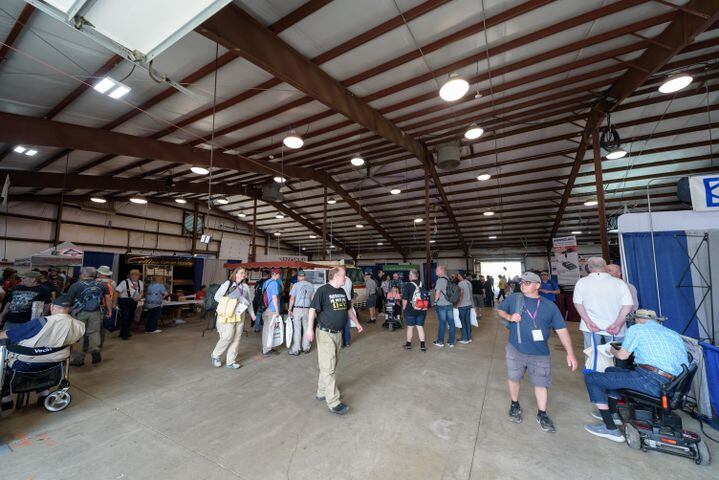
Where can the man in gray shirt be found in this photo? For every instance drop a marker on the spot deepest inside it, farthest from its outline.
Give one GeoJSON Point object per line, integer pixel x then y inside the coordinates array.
{"type": "Point", "coordinates": [465, 307]}
{"type": "Point", "coordinates": [371, 287]}
{"type": "Point", "coordinates": [443, 308]}
{"type": "Point", "coordinates": [299, 308]}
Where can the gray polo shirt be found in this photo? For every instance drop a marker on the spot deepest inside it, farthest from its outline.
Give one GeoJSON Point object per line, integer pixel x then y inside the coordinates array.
{"type": "Point", "coordinates": [441, 286]}
{"type": "Point", "coordinates": [466, 287]}
{"type": "Point", "coordinates": [371, 286]}
{"type": "Point", "coordinates": [302, 291]}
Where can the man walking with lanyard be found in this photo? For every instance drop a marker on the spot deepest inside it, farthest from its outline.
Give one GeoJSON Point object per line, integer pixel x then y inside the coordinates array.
{"type": "Point", "coordinates": [331, 308]}
{"type": "Point", "coordinates": [129, 292]}
{"type": "Point", "coordinates": [530, 319]}
{"type": "Point", "coordinates": [299, 308]}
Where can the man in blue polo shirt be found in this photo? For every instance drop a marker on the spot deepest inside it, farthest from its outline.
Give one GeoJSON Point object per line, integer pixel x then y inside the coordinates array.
{"type": "Point", "coordinates": [548, 288]}
{"type": "Point", "coordinates": [530, 319]}
{"type": "Point", "coordinates": [659, 354]}
{"type": "Point", "coordinates": [272, 302]}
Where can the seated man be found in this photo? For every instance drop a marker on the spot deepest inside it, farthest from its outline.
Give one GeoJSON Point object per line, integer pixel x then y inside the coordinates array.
{"type": "Point", "coordinates": [56, 330]}
{"type": "Point", "coordinates": [659, 354]}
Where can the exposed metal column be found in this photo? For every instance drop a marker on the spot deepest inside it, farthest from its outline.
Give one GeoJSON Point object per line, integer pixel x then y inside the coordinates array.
{"type": "Point", "coordinates": [194, 228]}
{"type": "Point", "coordinates": [324, 225]}
{"type": "Point", "coordinates": [599, 185]}
{"type": "Point", "coordinates": [253, 254]}
{"type": "Point", "coordinates": [58, 222]}
{"type": "Point", "coordinates": [428, 251]}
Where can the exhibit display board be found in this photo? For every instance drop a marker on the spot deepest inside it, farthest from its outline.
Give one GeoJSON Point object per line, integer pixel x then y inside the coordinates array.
{"type": "Point", "coordinates": [565, 260]}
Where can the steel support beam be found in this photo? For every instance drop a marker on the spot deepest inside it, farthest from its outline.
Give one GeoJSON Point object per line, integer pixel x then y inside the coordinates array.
{"type": "Point", "coordinates": [427, 244]}
{"type": "Point", "coordinates": [599, 186]}
{"type": "Point", "coordinates": [324, 226]}
{"type": "Point", "coordinates": [253, 257]}
{"type": "Point", "coordinates": [22, 19]}
{"type": "Point", "coordinates": [678, 34]}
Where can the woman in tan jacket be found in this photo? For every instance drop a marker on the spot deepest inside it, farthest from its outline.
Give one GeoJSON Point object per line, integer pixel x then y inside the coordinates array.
{"type": "Point", "coordinates": [230, 326]}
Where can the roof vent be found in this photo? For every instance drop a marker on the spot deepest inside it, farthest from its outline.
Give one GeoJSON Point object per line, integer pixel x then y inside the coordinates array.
{"type": "Point", "coordinates": [448, 155]}
{"type": "Point", "coordinates": [271, 192]}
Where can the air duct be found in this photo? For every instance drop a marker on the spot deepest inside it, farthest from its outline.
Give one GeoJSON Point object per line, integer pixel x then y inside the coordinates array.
{"type": "Point", "coordinates": [448, 155]}
{"type": "Point", "coordinates": [271, 192]}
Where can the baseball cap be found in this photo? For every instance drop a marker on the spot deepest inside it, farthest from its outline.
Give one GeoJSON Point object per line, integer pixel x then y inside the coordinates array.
{"type": "Point", "coordinates": [276, 270]}
{"type": "Point", "coordinates": [300, 273]}
{"type": "Point", "coordinates": [63, 301]}
{"type": "Point", "coordinates": [644, 313]}
{"type": "Point", "coordinates": [31, 274]}
{"type": "Point", "coordinates": [531, 277]}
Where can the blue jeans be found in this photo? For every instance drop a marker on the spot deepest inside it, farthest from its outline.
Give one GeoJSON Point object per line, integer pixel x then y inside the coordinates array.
{"type": "Point", "coordinates": [446, 319]}
{"type": "Point", "coordinates": [599, 384]}
{"type": "Point", "coordinates": [346, 335]}
{"type": "Point", "coordinates": [153, 316]}
{"type": "Point", "coordinates": [464, 313]}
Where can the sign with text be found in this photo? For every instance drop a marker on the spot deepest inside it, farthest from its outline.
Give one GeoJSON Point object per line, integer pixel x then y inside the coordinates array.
{"type": "Point", "coordinates": [705, 192]}
{"type": "Point", "coordinates": [566, 260]}
{"type": "Point", "coordinates": [153, 260]}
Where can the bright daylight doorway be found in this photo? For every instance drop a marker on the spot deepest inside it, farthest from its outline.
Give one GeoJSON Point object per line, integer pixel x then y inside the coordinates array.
{"type": "Point", "coordinates": [495, 269]}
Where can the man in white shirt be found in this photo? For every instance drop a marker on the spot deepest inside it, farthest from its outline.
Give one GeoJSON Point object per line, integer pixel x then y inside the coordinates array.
{"type": "Point", "coordinates": [616, 272]}
{"type": "Point", "coordinates": [603, 302]}
{"type": "Point", "coordinates": [129, 292]}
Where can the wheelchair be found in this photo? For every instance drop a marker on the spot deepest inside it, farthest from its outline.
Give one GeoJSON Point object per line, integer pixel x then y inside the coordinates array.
{"type": "Point", "coordinates": [651, 424]}
{"type": "Point", "coordinates": [392, 310]}
{"type": "Point", "coordinates": [22, 383]}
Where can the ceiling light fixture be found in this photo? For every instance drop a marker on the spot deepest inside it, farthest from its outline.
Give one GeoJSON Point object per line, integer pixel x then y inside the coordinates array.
{"type": "Point", "coordinates": [417, 220]}
{"type": "Point", "coordinates": [473, 132]}
{"type": "Point", "coordinates": [181, 201]}
{"type": "Point", "coordinates": [98, 200]}
{"type": "Point", "coordinates": [379, 244]}
{"type": "Point", "coordinates": [616, 154]}
{"type": "Point", "coordinates": [484, 176]}
{"type": "Point", "coordinates": [492, 237]}
{"type": "Point", "coordinates": [395, 191]}
{"type": "Point", "coordinates": [19, 149]}
{"type": "Point", "coordinates": [242, 214]}
{"type": "Point", "coordinates": [31, 152]}
{"type": "Point", "coordinates": [280, 179]}
{"type": "Point", "coordinates": [112, 88]}
{"type": "Point", "coordinates": [279, 216]}
{"type": "Point", "coordinates": [432, 241]}
{"type": "Point", "coordinates": [331, 201]}
{"type": "Point", "coordinates": [610, 141]}
{"type": "Point", "coordinates": [104, 85]}
{"type": "Point", "coordinates": [138, 200]}
{"type": "Point", "coordinates": [199, 170]}
{"type": "Point", "coordinates": [591, 203]}
{"type": "Point", "coordinates": [488, 213]}
{"type": "Point", "coordinates": [357, 160]}
{"type": "Point", "coordinates": [576, 232]}
{"type": "Point", "coordinates": [454, 88]}
{"type": "Point", "coordinates": [359, 226]}
{"type": "Point", "coordinates": [675, 83]}
{"type": "Point", "coordinates": [221, 201]}
{"type": "Point", "coordinates": [292, 140]}
{"type": "Point", "coordinates": [313, 237]}
{"type": "Point", "coordinates": [277, 234]}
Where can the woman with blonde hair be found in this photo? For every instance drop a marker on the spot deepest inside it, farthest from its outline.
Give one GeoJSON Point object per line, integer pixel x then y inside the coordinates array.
{"type": "Point", "coordinates": [233, 302]}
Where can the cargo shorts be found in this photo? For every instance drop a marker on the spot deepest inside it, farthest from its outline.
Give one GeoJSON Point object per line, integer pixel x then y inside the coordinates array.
{"type": "Point", "coordinates": [538, 366]}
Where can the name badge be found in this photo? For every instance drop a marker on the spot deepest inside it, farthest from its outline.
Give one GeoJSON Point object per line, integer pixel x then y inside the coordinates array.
{"type": "Point", "coordinates": [537, 335]}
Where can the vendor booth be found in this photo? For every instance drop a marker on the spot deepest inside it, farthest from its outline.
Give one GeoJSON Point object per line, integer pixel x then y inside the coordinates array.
{"type": "Point", "coordinates": [64, 255]}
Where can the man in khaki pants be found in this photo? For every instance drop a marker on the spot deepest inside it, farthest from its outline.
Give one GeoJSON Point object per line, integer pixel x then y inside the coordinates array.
{"type": "Point", "coordinates": [300, 298]}
{"type": "Point", "coordinates": [331, 308]}
{"type": "Point", "coordinates": [271, 292]}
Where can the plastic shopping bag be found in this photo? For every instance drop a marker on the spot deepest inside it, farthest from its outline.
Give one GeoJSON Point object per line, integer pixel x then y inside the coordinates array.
{"type": "Point", "coordinates": [276, 335]}
{"type": "Point", "coordinates": [457, 322]}
{"type": "Point", "coordinates": [289, 331]}
{"type": "Point", "coordinates": [473, 318]}
{"type": "Point", "coordinates": [598, 357]}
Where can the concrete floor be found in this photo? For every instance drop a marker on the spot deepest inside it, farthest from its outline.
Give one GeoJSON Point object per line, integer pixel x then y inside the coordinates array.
{"type": "Point", "coordinates": [155, 409]}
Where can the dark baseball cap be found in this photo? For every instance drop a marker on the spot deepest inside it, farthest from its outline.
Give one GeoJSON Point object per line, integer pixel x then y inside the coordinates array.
{"type": "Point", "coordinates": [63, 301]}
{"type": "Point", "coordinates": [276, 270]}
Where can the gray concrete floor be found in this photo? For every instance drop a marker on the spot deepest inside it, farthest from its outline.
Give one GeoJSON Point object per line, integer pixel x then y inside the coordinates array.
{"type": "Point", "coordinates": [155, 409]}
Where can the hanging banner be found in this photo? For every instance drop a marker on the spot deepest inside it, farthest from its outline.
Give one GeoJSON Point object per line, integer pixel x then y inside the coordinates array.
{"type": "Point", "coordinates": [705, 193]}
{"type": "Point", "coordinates": [160, 260]}
{"type": "Point", "coordinates": [566, 260]}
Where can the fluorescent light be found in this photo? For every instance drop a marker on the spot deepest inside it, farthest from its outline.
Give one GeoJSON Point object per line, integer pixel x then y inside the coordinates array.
{"type": "Point", "coordinates": [199, 170]}
{"type": "Point", "coordinates": [98, 200]}
{"type": "Point", "coordinates": [19, 149]}
{"type": "Point", "coordinates": [313, 236]}
{"type": "Point", "coordinates": [280, 216]}
{"type": "Point", "coordinates": [280, 179]}
{"type": "Point", "coordinates": [30, 152]}
{"type": "Point", "coordinates": [488, 213]}
{"type": "Point", "coordinates": [676, 83]}
{"type": "Point", "coordinates": [473, 132]}
{"type": "Point", "coordinates": [277, 234]}
{"type": "Point", "coordinates": [331, 201]}
{"type": "Point", "coordinates": [242, 214]}
{"type": "Point", "coordinates": [616, 154]}
{"type": "Point", "coordinates": [303, 249]}
{"type": "Point", "coordinates": [379, 244]}
{"type": "Point", "coordinates": [576, 232]}
{"type": "Point", "coordinates": [180, 201]}
{"type": "Point", "coordinates": [492, 237]}
{"type": "Point", "coordinates": [484, 176]}
{"type": "Point", "coordinates": [591, 203]}
{"type": "Point", "coordinates": [221, 201]}
{"type": "Point", "coordinates": [395, 191]}
{"type": "Point", "coordinates": [417, 220]}
{"type": "Point", "coordinates": [104, 85]}
{"type": "Point", "coordinates": [138, 200]}
{"type": "Point", "coordinates": [292, 140]}
{"type": "Point", "coordinates": [359, 225]}
{"type": "Point", "coordinates": [432, 241]}
{"type": "Point", "coordinates": [205, 238]}
{"type": "Point", "coordinates": [357, 161]}
{"type": "Point", "coordinates": [454, 88]}
{"type": "Point", "coordinates": [120, 91]}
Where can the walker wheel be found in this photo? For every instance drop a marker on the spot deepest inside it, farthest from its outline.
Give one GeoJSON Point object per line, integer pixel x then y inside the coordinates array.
{"type": "Point", "coordinates": [704, 458]}
{"type": "Point", "coordinates": [58, 400]}
{"type": "Point", "coordinates": [634, 438]}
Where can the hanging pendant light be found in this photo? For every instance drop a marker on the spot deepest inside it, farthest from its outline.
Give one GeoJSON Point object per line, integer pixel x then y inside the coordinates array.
{"type": "Point", "coordinates": [676, 83]}
{"type": "Point", "coordinates": [454, 88]}
{"type": "Point", "coordinates": [484, 176]}
{"type": "Point", "coordinates": [98, 200]}
{"type": "Point", "coordinates": [395, 191]}
{"type": "Point", "coordinates": [473, 132]}
{"type": "Point", "coordinates": [138, 200]}
{"type": "Point", "coordinates": [181, 201]}
{"type": "Point", "coordinates": [331, 201]}
{"type": "Point", "coordinates": [616, 154]}
{"type": "Point", "coordinates": [357, 160]}
{"type": "Point", "coordinates": [199, 170]}
{"type": "Point", "coordinates": [292, 140]}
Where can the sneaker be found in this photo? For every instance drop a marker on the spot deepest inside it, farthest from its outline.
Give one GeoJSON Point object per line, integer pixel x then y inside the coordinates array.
{"type": "Point", "coordinates": [422, 347]}
{"type": "Point", "coordinates": [179, 321]}
{"type": "Point", "coordinates": [469, 341]}
{"type": "Point", "coordinates": [515, 413]}
{"type": "Point", "coordinates": [321, 398]}
{"type": "Point", "coordinates": [617, 418]}
{"type": "Point", "coordinates": [545, 423]}
{"type": "Point", "coordinates": [340, 409]}
{"type": "Point", "coordinates": [234, 365]}
{"type": "Point", "coordinates": [464, 341]}
{"type": "Point", "coordinates": [408, 346]}
{"type": "Point", "coordinates": [96, 357]}
{"type": "Point", "coordinates": [451, 345]}
{"type": "Point", "coordinates": [601, 430]}
{"type": "Point", "coordinates": [157, 330]}
{"type": "Point", "coordinates": [216, 362]}
{"type": "Point", "coordinates": [437, 344]}
{"type": "Point", "coordinates": [294, 354]}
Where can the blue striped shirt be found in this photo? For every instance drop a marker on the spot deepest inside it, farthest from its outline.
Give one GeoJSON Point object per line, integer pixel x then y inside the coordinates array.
{"type": "Point", "coordinates": [655, 345]}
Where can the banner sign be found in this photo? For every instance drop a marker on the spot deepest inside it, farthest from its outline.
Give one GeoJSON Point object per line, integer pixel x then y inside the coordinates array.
{"type": "Point", "coordinates": [292, 258]}
{"type": "Point", "coordinates": [705, 193]}
{"type": "Point", "coordinates": [566, 260]}
{"type": "Point", "coordinates": [166, 261]}
{"type": "Point", "coordinates": [400, 267]}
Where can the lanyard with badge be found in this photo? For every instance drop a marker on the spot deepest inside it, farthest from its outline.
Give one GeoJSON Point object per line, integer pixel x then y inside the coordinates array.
{"type": "Point", "coordinates": [537, 335]}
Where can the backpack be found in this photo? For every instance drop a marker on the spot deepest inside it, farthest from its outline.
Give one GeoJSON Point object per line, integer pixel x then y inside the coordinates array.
{"type": "Point", "coordinates": [420, 298]}
{"type": "Point", "coordinates": [90, 299]}
{"type": "Point", "coordinates": [452, 292]}
{"type": "Point", "coordinates": [209, 302]}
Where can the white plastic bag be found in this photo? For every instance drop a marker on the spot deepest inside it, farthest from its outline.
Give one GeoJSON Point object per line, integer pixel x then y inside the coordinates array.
{"type": "Point", "coordinates": [276, 335]}
{"type": "Point", "coordinates": [473, 318]}
{"type": "Point", "coordinates": [289, 331]}
{"type": "Point", "coordinates": [598, 357]}
{"type": "Point", "coordinates": [457, 322]}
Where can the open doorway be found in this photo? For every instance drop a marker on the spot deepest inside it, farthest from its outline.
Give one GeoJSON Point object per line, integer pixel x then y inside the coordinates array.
{"type": "Point", "coordinates": [496, 268]}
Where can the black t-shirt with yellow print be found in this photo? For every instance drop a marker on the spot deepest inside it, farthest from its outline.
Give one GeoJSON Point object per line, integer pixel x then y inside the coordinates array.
{"type": "Point", "coordinates": [331, 305]}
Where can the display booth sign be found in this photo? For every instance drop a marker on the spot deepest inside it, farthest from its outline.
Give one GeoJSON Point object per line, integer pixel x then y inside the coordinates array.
{"type": "Point", "coordinates": [566, 260]}
{"type": "Point", "coordinates": [166, 261]}
{"type": "Point", "coordinates": [705, 192]}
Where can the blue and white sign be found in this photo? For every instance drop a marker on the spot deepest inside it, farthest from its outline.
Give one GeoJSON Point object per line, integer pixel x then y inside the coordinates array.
{"type": "Point", "coordinates": [705, 192]}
